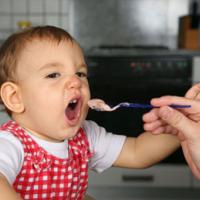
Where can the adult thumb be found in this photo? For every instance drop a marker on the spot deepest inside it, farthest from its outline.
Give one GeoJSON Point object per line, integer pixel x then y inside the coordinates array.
{"type": "Point", "coordinates": [178, 120]}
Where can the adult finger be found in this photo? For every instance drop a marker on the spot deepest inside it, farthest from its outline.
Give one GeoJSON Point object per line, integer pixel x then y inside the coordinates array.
{"type": "Point", "coordinates": [194, 92]}
{"type": "Point", "coordinates": [150, 126]}
{"type": "Point", "coordinates": [179, 121]}
{"type": "Point", "coordinates": [150, 116]}
{"type": "Point", "coordinates": [168, 100]}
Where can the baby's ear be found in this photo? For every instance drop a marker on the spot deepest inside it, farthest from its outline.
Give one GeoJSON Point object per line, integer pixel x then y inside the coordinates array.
{"type": "Point", "coordinates": [11, 97]}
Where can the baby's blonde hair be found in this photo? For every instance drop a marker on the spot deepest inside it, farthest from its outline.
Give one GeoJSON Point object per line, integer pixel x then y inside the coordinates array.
{"type": "Point", "coordinates": [12, 48]}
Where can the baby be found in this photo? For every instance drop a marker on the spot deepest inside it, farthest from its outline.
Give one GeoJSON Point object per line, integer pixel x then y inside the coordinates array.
{"type": "Point", "coordinates": [47, 146]}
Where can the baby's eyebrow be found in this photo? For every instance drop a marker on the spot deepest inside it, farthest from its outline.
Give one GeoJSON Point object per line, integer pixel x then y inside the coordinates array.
{"type": "Point", "coordinates": [83, 66]}
{"type": "Point", "coordinates": [56, 65]}
{"type": "Point", "coordinates": [50, 65]}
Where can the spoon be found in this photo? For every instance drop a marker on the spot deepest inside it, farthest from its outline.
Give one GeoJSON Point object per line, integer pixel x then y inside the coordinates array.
{"type": "Point", "coordinates": [100, 105]}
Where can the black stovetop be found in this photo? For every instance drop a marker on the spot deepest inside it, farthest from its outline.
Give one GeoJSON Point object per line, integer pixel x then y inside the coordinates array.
{"type": "Point", "coordinates": [136, 50]}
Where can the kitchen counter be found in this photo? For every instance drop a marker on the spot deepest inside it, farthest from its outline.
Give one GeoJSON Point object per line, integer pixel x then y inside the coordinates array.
{"type": "Point", "coordinates": [142, 193]}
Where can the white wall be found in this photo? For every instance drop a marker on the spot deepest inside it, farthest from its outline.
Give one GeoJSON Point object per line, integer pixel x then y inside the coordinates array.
{"type": "Point", "coordinates": [38, 12]}
{"type": "Point", "coordinates": [3, 117]}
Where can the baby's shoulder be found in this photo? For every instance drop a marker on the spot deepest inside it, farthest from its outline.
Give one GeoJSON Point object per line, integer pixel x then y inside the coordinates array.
{"type": "Point", "coordinates": [90, 127]}
{"type": "Point", "coordinates": [8, 140]}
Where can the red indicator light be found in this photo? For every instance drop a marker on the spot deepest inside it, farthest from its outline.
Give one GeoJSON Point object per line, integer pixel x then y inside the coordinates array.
{"type": "Point", "coordinates": [133, 65]}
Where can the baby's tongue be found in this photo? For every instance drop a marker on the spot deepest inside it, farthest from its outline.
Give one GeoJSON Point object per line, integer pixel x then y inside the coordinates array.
{"type": "Point", "coordinates": [70, 113]}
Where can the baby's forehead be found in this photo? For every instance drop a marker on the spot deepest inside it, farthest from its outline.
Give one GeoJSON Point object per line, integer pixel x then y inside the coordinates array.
{"type": "Point", "coordinates": [38, 45]}
{"type": "Point", "coordinates": [47, 41]}
{"type": "Point", "coordinates": [42, 50]}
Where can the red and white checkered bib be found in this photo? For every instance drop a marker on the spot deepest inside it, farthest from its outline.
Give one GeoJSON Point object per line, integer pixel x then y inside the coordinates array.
{"type": "Point", "coordinates": [44, 176]}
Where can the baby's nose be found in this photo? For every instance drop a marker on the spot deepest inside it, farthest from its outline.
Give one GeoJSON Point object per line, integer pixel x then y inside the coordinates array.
{"type": "Point", "coordinates": [73, 82]}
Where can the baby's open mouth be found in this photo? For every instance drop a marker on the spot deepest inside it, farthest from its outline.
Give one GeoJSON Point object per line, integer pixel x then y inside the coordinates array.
{"type": "Point", "coordinates": [73, 109]}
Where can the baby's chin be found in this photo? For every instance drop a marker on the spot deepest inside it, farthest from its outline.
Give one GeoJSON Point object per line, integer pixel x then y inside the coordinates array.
{"type": "Point", "coordinates": [70, 133]}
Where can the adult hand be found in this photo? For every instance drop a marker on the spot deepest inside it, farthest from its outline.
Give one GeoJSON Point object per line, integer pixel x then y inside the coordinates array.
{"type": "Point", "coordinates": [185, 123]}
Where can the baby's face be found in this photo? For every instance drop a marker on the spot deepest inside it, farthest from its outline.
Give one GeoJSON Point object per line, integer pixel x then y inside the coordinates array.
{"type": "Point", "coordinates": [54, 88]}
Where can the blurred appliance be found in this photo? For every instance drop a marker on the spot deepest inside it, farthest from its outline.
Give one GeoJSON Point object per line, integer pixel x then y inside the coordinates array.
{"type": "Point", "coordinates": [136, 74]}
{"type": "Point", "coordinates": [188, 36]}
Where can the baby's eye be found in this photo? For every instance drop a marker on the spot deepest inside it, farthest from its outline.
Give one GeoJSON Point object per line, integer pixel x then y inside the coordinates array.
{"type": "Point", "coordinates": [53, 75]}
{"type": "Point", "coordinates": [81, 74]}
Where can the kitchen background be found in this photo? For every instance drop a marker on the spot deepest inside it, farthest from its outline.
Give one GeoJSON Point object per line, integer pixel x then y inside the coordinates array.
{"type": "Point", "coordinates": [93, 22]}
{"type": "Point", "coordinates": [138, 40]}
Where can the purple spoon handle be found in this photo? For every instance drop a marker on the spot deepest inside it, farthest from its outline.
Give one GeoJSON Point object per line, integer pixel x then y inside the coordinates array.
{"type": "Point", "coordinates": [139, 105]}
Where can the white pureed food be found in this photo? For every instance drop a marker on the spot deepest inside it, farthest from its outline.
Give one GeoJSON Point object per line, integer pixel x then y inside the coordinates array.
{"type": "Point", "coordinates": [99, 105]}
